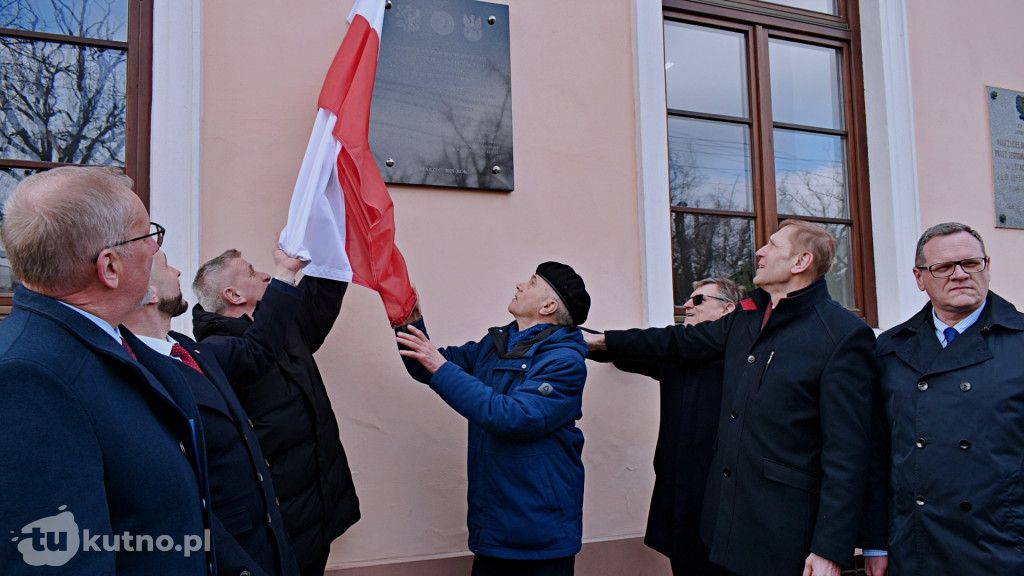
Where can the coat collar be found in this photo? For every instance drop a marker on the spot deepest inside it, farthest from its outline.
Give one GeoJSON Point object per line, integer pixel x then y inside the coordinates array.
{"type": "Point", "coordinates": [914, 341]}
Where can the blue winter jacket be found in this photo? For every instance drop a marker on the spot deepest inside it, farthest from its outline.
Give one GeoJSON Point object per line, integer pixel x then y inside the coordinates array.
{"type": "Point", "coordinates": [525, 467]}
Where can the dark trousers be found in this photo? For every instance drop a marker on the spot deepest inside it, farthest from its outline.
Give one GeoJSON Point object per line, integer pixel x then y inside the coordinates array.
{"type": "Point", "coordinates": [487, 566]}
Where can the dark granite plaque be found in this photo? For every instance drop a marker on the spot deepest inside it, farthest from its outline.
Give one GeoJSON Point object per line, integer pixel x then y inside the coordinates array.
{"type": "Point", "coordinates": [1006, 119]}
{"type": "Point", "coordinates": [442, 102]}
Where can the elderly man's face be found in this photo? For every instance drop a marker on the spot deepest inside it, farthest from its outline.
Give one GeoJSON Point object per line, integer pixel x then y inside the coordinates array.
{"type": "Point", "coordinates": [956, 296]}
{"type": "Point", "coordinates": [530, 297]}
{"type": "Point", "coordinates": [775, 259]}
{"type": "Point", "coordinates": [710, 308]}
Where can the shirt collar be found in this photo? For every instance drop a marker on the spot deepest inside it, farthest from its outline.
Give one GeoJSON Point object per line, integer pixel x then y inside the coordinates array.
{"type": "Point", "coordinates": [161, 346]}
{"type": "Point", "coordinates": [960, 326]}
{"type": "Point", "coordinates": [99, 322]}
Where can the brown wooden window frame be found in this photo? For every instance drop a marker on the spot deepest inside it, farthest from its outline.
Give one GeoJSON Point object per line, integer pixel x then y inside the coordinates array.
{"type": "Point", "coordinates": [138, 92]}
{"type": "Point", "coordinates": [760, 21]}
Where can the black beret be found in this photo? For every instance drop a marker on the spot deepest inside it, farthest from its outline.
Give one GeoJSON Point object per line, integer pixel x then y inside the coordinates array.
{"type": "Point", "coordinates": [569, 287]}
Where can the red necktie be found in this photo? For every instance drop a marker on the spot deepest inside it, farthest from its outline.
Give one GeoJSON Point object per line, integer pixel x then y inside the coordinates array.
{"type": "Point", "coordinates": [178, 351]}
{"type": "Point", "coordinates": [124, 344]}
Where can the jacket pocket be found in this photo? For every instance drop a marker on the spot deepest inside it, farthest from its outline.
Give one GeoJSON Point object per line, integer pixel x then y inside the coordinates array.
{"type": "Point", "coordinates": [234, 515]}
{"type": "Point", "coordinates": [791, 476]}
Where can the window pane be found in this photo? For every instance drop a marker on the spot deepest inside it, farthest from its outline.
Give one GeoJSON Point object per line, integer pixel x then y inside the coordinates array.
{"type": "Point", "coordinates": [705, 70]}
{"type": "Point", "coordinates": [9, 178]}
{"type": "Point", "coordinates": [709, 164]}
{"type": "Point", "coordinates": [705, 246]}
{"type": "Point", "coordinates": [805, 84]}
{"type": "Point", "coordinates": [840, 278]}
{"type": "Point", "coordinates": [62, 103]}
{"type": "Point", "coordinates": [810, 174]}
{"type": "Point", "coordinates": [103, 19]}
{"type": "Point", "coordinates": [826, 6]}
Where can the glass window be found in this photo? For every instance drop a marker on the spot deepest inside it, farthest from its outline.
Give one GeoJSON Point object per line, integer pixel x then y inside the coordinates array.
{"type": "Point", "coordinates": [760, 109]}
{"type": "Point", "coordinates": [826, 6]}
{"type": "Point", "coordinates": [76, 81]}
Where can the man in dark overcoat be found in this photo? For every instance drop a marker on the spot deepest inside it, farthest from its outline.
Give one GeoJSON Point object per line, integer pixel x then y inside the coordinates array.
{"type": "Point", "coordinates": [787, 481]}
{"type": "Point", "coordinates": [103, 453]}
{"type": "Point", "coordinates": [953, 387]}
{"type": "Point", "coordinates": [690, 400]}
{"type": "Point", "coordinates": [248, 530]}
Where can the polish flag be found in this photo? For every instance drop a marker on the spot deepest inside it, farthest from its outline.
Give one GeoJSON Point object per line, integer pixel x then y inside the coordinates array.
{"type": "Point", "coordinates": [341, 217]}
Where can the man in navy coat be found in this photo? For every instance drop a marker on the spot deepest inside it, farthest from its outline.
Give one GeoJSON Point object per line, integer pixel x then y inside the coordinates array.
{"type": "Point", "coordinates": [787, 481]}
{"type": "Point", "coordinates": [953, 386]}
{"type": "Point", "coordinates": [104, 466]}
{"type": "Point", "coordinates": [248, 531]}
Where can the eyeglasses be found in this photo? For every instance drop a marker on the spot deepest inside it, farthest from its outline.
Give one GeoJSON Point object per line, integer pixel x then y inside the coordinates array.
{"type": "Point", "coordinates": [156, 230]}
{"type": "Point", "coordinates": [946, 269]}
{"type": "Point", "coordinates": [698, 299]}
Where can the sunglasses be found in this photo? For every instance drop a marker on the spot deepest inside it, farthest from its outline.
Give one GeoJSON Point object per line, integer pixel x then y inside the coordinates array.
{"type": "Point", "coordinates": [698, 299]}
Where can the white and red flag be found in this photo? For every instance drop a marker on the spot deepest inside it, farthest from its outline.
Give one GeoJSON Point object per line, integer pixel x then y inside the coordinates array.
{"type": "Point", "coordinates": [341, 216]}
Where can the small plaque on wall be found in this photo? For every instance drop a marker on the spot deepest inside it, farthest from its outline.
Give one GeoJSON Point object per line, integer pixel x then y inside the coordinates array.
{"type": "Point", "coordinates": [1006, 118]}
{"type": "Point", "coordinates": [442, 102]}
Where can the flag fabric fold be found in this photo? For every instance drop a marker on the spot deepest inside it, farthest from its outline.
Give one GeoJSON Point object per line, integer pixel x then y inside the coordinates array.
{"type": "Point", "coordinates": [341, 217]}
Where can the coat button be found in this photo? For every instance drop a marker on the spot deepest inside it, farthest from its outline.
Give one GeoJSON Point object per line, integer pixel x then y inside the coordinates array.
{"type": "Point", "coordinates": [734, 415]}
{"type": "Point", "coordinates": [250, 423]}
{"type": "Point", "coordinates": [965, 386]}
{"type": "Point", "coordinates": [922, 386]}
{"type": "Point", "coordinates": [920, 442]}
{"type": "Point", "coordinates": [726, 472]}
{"type": "Point", "coordinates": [245, 573]}
{"type": "Point", "coordinates": [919, 500]}
{"type": "Point", "coordinates": [524, 366]}
{"type": "Point", "coordinates": [277, 502]}
{"type": "Point", "coordinates": [267, 462]}
{"type": "Point", "coordinates": [268, 519]}
{"type": "Point", "coordinates": [203, 502]}
{"type": "Point", "coordinates": [964, 444]}
{"type": "Point", "coordinates": [182, 446]}
{"type": "Point", "coordinates": [966, 506]}
{"type": "Point", "coordinates": [750, 359]}
{"type": "Point", "coordinates": [259, 476]}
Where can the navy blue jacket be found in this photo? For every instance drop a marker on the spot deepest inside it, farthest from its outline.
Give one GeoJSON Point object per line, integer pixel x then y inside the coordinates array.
{"type": "Point", "coordinates": [525, 468]}
{"type": "Point", "coordinates": [956, 417]}
{"type": "Point", "coordinates": [788, 475]}
{"type": "Point", "coordinates": [115, 441]}
{"type": "Point", "coordinates": [248, 531]}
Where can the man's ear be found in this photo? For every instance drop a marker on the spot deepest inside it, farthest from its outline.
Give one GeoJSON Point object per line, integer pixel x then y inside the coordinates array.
{"type": "Point", "coordinates": [803, 263]}
{"type": "Point", "coordinates": [232, 296]}
{"type": "Point", "coordinates": [109, 267]}
{"type": "Point", "coordinates": [154, 298]}
{"type": "Point", "coordinates": [549, 307]}
{"type": "Point", "coordinates": [920, 282]}
{"type": "Point", "coordinates": [729, 308]}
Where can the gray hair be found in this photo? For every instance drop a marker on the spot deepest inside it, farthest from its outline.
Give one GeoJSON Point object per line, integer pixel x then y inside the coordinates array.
{"type": "Point", "coordinates": [56, 222]}
{"type": "Point", "coordinates": [944, 229]}
{"type": "Point", "coordinates": [210, 281]}
{"type": "Point", "coordinates": [726, 288]}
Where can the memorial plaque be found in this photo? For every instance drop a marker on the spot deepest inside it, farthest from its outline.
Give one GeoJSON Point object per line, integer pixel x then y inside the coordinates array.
{"type": "Point", "coordinates": [1006, 118]}
{"type": "Point", "coordinates": [442, 102]}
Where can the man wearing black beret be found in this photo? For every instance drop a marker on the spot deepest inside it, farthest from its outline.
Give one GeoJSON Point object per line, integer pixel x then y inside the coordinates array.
{"type": "Point", "coordinates": [521, 388]}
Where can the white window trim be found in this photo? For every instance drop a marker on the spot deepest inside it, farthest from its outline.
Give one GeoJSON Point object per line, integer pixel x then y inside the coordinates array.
{"type": "Point", "coordinates": [895, 203]}
{"type": "Point", "coordinates": [174, 199]}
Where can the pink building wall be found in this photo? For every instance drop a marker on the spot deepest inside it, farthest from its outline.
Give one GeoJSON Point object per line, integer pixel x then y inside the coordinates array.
{"type": "Point", "coordinates": [956, 50]}
{"type": "Point", "coordinates": [575, 201]}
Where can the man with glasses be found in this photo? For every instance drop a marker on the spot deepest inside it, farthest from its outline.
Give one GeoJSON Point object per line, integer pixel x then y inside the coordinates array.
{"type": "Point", "coordinates": [952, 379]}
{"type": "Point", "coordinates": [691, 397]}
{"type": "Point", "coordinates": [787, 483]}
{"type": "Point", "coordinates": [100, 436]}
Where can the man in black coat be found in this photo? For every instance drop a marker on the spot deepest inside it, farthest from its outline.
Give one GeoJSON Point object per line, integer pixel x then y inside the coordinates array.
{"type": "Point", "coordinates": [787, 484]}
{"type": "Point", "coordinates": [691, 397]}
{"type": "Point", "coordinates": [289, 406]}
{"type": "Point", "coordinates": [249, 535]}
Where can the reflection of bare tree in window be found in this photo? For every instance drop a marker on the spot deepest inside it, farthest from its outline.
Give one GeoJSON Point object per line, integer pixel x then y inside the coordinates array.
{"type": "Point", "coordinates": [62, 102]}
{"type": "Point", "coordinates": [813, 193]}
